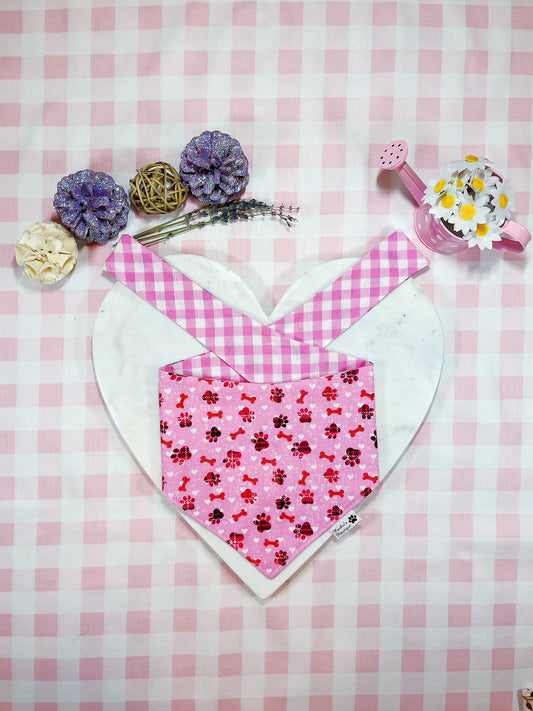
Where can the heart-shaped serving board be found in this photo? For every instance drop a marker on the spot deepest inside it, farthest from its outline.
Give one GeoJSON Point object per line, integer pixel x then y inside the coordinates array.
{"type": "Point", "coordinates": [401, 335]}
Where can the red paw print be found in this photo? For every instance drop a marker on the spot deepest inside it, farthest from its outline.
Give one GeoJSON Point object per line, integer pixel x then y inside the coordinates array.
{"type": "Point", "coordinates": [366, 411]}
{"type": "Point", "coordinates": [236, 540]}
{"type": "Point", "coordinates": [300, 448]}
{"type": "Point", "coordinates": [187, 503]}
{"type": "Point", "coordinates": [247, 414]}
{"type": "Point", "coordinates": [249, 496]}
{"type": "Point", "coordinates": [332, 431]}
{"type": "Point", "coordinates": [334, 513]}
{"type": "Point", "coordinates": [232, 459]}
{"type": "Point", "coordinates": [350, 376]}
{"type": "Point", "coordinates": [209, 397]}
{"type": "Point", "coordinates": [212, 479]}
{"type": "Point", "coordinates": [262, 521]}
{"type": "Point", "coordinates": [304, 415]}
{"type": "Point", "coordinates": [277, 394]}
{"type": "Point", "coordinates": [279, 476]}
{"type": "Point", "coordinates": [213, 434]}
{"type": "Point", "coordinates": [332, 475]}
{"type": "Point", "coordinates": [283, 502]}
{"type": "Point", "coordinates": [215, 516]}
{"type": "Point", "coordinates": [260, 441]}
{"type": "Point", "coordinates": [163, 426]}
{"type": "Point", "coordinates": [281, 557]}
{"type": "Point", "coordinates": [181, 455]}
{"type": "Point", "coordinates": [351, 458]}
{"type": "Point", "coordinates": [280, 421]}
{"type": "Point", "coordinates": [329, 393]}
{"type": "Point", "coordinates": [307, 496]}
{"type": "Point", "coordinates": [303, 530]}
{"type": "Point", "coordinates": [185, 419]}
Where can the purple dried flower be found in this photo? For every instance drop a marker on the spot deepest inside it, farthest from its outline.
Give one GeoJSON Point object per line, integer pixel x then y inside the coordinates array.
{"type": "Point", "coordinates": [91, 205]}
{"type": "Point", "coordinates": [214, 168]}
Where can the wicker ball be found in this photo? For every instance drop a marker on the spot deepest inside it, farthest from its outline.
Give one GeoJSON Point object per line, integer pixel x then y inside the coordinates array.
{"type": "Point", "coordinates": [157, 189]}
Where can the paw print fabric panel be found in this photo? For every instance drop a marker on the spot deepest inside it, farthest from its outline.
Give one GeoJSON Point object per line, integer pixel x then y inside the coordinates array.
{"type": "Point", "coordinates": [266, 441]}
{"type": "Point", "coordinates": [268, 467]}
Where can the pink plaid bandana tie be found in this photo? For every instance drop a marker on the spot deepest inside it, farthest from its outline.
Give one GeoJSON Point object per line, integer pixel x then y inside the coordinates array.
{"type": "Point", "coordinates": [266, 440]}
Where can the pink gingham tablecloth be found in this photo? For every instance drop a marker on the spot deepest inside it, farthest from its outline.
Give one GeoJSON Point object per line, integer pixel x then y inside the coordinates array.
{"type": "Point", "coordinates": [107, 600]}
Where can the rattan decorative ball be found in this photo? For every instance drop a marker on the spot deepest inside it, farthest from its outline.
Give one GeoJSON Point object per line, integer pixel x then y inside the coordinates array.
{"type": "Point", "coordinates": [157, 189]}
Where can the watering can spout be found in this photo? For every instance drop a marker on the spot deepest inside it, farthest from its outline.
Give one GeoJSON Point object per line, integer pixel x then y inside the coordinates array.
{"type": "Point", "coordinates": [393, 157]}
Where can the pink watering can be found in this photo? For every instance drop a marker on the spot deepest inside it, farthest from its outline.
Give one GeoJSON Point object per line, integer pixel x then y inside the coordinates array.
{"type": "Point", "coordinates": [431, 231]}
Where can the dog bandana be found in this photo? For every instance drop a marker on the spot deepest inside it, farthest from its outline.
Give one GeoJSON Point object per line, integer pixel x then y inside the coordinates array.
{"type": "Point", "coordinates": [267, 440]}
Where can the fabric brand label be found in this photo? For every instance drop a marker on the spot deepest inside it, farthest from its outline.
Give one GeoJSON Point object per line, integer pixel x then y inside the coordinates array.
{"type": "Point", "coordinates": [347, 524]}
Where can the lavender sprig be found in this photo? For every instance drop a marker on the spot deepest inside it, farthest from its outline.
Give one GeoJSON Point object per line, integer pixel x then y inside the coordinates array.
{"type": "Point", "coordinates": [210, 215]}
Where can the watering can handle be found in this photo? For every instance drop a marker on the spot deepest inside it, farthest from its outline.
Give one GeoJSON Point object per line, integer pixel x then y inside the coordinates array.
{"type": "Point", "coordinates": [393, 157]}
{"type": "Point", "coordinates": [516, 239]}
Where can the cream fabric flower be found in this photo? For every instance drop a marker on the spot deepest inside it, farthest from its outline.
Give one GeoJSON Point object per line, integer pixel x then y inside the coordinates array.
{"type": "Point", "coordinates": [47, 252]}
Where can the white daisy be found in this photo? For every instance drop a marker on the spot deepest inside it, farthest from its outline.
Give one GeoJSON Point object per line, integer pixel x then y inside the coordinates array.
{"type": "Point", "coordinates": [449, 200]}
{"type": "Point", "coordinates": [503, 201]}
{"type": "Point", "coordinates": [470, 213]}
{"type": "Point", "coordinates": [470, 162]}
{"type": "Point", "coordinates": [436, 186]}
{"type": "Point", "coordinates": [485, 234]}
{"type": "Point", "coordinates": [459, 179]}
{"type": "Point", "coordinates": [481, 180]}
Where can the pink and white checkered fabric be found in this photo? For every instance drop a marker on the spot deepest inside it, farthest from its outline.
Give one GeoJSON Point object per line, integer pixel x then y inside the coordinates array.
{"type": "Point", "coordinates": [107, 603]}
{"type": "Point", "coordinates": [255, 351]}
{"type": "Point", "coordinates": [250, 349]}
{"type": "Point", "coordinates": [349, 297]}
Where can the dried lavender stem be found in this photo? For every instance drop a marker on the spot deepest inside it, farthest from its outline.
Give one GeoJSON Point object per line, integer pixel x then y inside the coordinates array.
{"type": "Point", "coordinates": [231, 212]}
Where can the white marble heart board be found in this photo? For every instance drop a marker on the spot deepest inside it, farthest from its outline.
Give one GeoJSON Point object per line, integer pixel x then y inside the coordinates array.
{"type": "Point", "coordinates": [401, 335]}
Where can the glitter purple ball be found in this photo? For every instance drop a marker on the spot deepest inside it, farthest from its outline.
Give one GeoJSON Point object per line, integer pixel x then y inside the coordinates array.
{"type": "Point", "coordinates": [214, 168]}
{"type": "Point", "coordinates": [91, 205]}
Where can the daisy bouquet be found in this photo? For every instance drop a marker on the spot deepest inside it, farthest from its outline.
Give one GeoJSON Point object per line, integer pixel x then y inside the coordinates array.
{"type": "Point", "coordinates": [472, 199]}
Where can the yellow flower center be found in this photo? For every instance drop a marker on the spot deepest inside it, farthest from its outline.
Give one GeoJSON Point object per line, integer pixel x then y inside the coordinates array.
{"type": "Point", "coordinates": [448, 200]}
{"type": "Point", "coordinates": [439, 186]}
{"type": "Point", "coordinates": [478, 184]}
{"type": "Point", "coordinates": [482, 230]}
{"type": "Point", "coordinates": [467, 212]}
{"type": "Point", "coordinates": [472, 159]}
{"type": "Point", "coordinates": [503, 200]}
{"type": "Point", "coordinates": [459, 183]}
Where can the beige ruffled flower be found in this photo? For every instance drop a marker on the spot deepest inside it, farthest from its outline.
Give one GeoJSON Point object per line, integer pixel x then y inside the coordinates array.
{"type": "Point", "coordinates": [47, 252]}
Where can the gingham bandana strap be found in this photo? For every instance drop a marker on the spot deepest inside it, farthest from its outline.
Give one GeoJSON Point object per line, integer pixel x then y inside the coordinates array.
{"type": "Point", "coordinates": [342, 303]}
{"type": "Point", "coordinates": [206, 365]}
{"type": "Point", "coordinates": [255, 351]}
